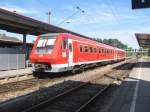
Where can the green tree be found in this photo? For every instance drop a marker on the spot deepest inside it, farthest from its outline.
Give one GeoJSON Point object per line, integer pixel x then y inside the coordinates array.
{"type": "Point", "coordinates": [115, 43]}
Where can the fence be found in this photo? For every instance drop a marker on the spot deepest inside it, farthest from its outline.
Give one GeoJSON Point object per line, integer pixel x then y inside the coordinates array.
{"type": "Point", "coordinates": [11, 58]}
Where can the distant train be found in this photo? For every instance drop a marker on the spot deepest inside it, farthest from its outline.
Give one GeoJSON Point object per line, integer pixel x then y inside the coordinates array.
{"type": "Point", "coordinates": [64, 52]}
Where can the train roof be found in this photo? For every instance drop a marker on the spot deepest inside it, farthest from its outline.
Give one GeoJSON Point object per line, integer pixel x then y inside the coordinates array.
{"type": "Point", "coordinates": [50, 34]}
{"type": "Point", "coordinates": [89, 39]}
{"type": "Point", "coordinates": [103, 45]}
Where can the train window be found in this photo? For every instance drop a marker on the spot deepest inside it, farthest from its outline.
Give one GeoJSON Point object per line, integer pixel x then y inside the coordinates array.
{"type": "Point", "coordinates": [91, 49]}
{"type": "Point", "coordinates": [104, 51]}
{"type": "Point", "coordinates": [107, 51]}
{"type": "Point", "coordinates": [100, 50]}
{"type": "Point", "coordinates": [95, 50]}
{"type": "Point", "coordinates": [45, 45]}
{"type": "Point", "coordinates": [85, 49]}
{"type": "Point", "coordinates": [70, 47]}
{"type": "Point", "coordinates": [81, 48]}
{"type": "Point", "coordinates": [64, 44]}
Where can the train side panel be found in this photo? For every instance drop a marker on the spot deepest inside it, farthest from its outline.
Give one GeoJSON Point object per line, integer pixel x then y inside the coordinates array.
{"type": "Point", "coordinates": [68, 51]}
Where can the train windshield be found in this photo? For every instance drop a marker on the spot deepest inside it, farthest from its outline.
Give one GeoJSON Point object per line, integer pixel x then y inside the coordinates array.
{"type": "Point", "coordinates": [45, 45]}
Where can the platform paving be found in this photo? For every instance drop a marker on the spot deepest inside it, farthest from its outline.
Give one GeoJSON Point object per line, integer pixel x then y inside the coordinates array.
{"type": "Point", "coordinates": [14, 73]}
{"type": "Point", "coordinates": [134, 93]}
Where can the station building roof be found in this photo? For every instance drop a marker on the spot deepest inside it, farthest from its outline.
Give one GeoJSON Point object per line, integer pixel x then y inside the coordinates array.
{"type": "Point", "coordinates": [7, 41]}
{"type": "Point", "coordinates": [143, 40]}
{"type": "Point", "coordinates": [16, 23]}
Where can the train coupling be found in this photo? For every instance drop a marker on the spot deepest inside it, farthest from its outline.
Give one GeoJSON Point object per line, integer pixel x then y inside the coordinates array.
{"type": "Point", "coordinates": [41, 67]}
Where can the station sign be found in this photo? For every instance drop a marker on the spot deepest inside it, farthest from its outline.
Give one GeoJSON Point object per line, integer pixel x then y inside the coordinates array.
{"type": "Point", "coordinates": [139, 4]}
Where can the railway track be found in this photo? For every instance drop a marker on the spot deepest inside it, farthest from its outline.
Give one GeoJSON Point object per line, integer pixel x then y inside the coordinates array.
{"type": "Point", "coordinates": [79, 98]}
{"type": "Point", "coordinates": [24, 84]}
{"type": "Point", "coordinates": [84, 106]}
{"type": "Point", "coordinates": [73, 100]}
{"type": "Point", "coordinates": [20, 85]}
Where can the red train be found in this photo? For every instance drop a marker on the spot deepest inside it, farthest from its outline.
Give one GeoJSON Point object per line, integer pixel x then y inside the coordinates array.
{"type": "Point", "coordinates": [63, 52]}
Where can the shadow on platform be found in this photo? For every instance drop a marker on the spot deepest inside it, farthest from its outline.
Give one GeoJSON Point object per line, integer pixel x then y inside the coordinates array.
{"type": "Point", "coordinates": [145, 64]}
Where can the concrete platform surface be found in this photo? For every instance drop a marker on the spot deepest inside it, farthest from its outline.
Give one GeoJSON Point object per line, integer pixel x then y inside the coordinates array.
{"type": "Point", "coordinates": [134, 94]}
{"type": "Point", "coordinates": [14, 73]}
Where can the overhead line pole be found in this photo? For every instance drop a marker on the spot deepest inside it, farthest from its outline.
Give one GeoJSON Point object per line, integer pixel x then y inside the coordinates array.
{"type": "Point", "coordinates": [49, 14]}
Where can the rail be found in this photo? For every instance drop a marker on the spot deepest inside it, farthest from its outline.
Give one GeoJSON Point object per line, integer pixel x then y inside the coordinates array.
{"type": "Point", "coordinates": [82, 107]}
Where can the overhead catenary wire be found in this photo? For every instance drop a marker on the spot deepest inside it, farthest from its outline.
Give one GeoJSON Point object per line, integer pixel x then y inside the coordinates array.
{"type": "Point", "coordinates": [109, 5]}
{"type": "Point", "coordinates": [69, 17]}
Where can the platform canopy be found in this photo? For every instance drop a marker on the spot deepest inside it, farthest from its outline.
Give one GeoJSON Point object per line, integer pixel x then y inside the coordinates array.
{"type": "Point", "coordinates": [16, 23]}
{"type": "Point", "coordinates": [143, 40]}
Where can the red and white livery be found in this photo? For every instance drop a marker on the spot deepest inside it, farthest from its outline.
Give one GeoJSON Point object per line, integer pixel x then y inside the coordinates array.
{"type": "Point", "coordinates": [63, 52]}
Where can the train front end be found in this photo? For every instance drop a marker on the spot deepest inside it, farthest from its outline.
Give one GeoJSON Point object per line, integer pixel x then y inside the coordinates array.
{"type": "Point", "coordinates": [45, 53]}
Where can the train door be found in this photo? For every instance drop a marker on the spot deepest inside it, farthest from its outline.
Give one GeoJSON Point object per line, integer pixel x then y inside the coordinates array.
{"type": "Point", "coordinates": [70, 52]}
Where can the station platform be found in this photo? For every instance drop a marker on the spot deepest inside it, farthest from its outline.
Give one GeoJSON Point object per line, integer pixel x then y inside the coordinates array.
{"type": "Point", "coordinates": [134, 93]}
{"type": "Point", "coordinates": [15, 73]}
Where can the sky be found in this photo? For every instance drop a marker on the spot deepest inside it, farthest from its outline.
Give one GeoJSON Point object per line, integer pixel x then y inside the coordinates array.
{"type": "Point", "coordinates": [95, 18]}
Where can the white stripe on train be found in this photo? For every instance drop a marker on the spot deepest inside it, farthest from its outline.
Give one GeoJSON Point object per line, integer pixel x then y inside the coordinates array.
{"type": "Point", "coordinates": [66, 67]}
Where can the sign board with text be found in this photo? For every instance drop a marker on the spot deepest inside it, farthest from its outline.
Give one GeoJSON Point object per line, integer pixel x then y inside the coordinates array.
{"type": "Point", "coordinates": [138, 4]}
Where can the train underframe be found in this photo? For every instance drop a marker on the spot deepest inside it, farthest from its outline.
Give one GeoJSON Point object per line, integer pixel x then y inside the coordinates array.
{"type": "Point", "coordinates": [56, 68]}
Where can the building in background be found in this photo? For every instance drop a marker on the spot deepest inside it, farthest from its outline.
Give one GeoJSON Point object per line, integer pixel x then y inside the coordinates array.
{"type": "Point", "coordinates": [11, 53]}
